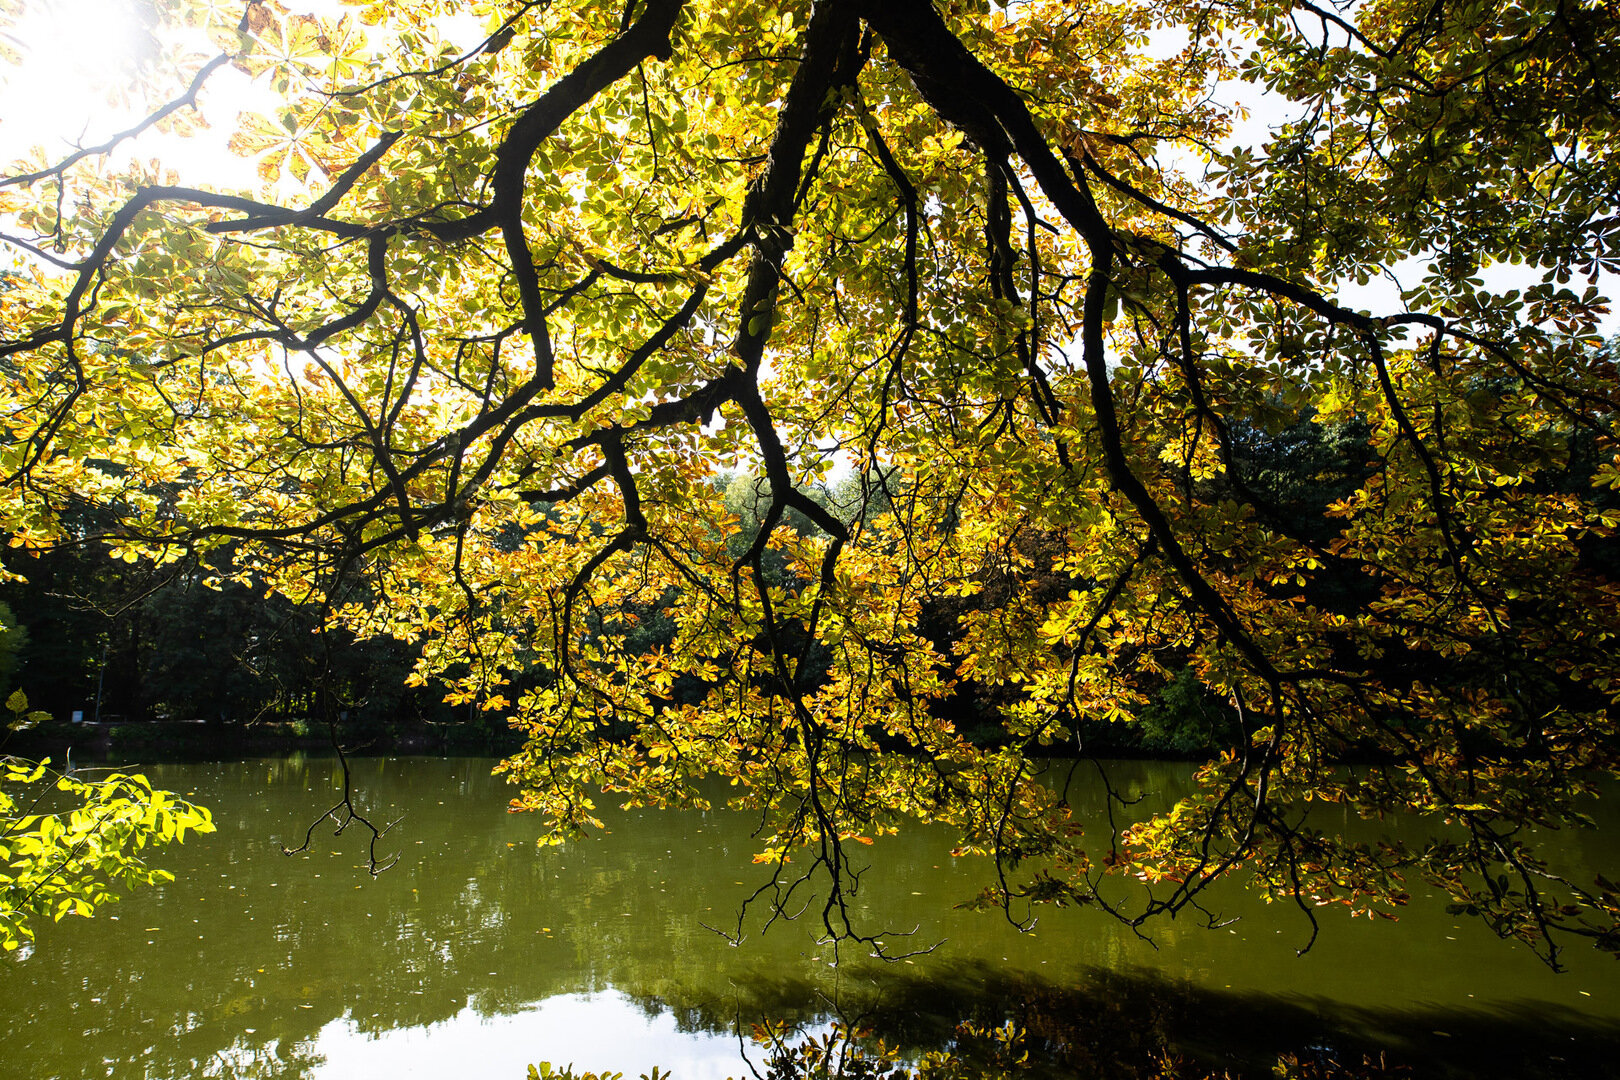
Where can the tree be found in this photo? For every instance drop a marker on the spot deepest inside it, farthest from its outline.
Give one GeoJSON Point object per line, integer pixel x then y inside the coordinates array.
{"type": "Point", "coordinates": [502, 308]}
{"type": "Point", "coordinates": [13, 642]}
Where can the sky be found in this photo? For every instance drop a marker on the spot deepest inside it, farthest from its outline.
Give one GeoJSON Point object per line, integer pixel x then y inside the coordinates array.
{"type": "Point", "coordinates": [79, 60]}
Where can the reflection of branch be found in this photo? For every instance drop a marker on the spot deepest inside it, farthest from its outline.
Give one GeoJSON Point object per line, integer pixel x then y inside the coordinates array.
{"type": "Point", "coordinates": [345, 806]}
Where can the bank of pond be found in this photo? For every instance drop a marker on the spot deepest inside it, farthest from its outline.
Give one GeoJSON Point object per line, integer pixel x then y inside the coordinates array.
{"type": "Point", "coordinates": [479, 953]}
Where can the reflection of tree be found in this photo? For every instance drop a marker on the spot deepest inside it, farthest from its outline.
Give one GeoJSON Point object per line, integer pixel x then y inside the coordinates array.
{"type": "Point", "coordinates": [1130, 1024]}
{"type": "Point", "coordinates": [246, 1059]}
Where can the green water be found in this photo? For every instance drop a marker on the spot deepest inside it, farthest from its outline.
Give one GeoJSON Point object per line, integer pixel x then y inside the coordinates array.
{"type": "Point", "coordinates": [478, 953]}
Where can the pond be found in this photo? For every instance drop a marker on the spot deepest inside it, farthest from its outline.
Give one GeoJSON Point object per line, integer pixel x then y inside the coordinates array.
{"type": "Point", "coordinates": [479, 953]}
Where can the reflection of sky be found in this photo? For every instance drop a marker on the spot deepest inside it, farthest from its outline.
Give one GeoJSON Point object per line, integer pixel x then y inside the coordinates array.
{"type": "Point", "coordinates": [596, 1032]}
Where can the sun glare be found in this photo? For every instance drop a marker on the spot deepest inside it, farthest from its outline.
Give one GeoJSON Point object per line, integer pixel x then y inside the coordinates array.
{"type": "Point", "coordinates": [70, 66]}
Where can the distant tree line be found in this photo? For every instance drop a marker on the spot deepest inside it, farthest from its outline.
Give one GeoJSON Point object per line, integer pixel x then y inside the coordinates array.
{"type": "Point", "coordinates": [116, 641]}
{"type": "Point", "coordinates": [126, 641]}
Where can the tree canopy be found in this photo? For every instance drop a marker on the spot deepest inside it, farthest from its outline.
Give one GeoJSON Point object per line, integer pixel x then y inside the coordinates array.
{"type": "Point", "coordinates": [1044, 376]}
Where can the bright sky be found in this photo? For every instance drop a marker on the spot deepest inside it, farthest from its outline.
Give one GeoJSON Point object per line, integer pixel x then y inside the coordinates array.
{"type": "Point", "coordinates": [80, 61]}
{"type": "Point", "coordinates": [74, 52]}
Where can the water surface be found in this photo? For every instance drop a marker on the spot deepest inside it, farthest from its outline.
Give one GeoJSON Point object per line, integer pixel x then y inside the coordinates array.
{"type": "Point", "coordinates": [477, 946]}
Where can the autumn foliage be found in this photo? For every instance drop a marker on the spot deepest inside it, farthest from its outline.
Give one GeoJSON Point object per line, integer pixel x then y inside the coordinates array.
{"type": "Point", "coordinates": [1046, 379]}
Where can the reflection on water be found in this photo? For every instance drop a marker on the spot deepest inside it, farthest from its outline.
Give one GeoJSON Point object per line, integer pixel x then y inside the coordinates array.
{"type": "Point", "coordinates": [588, 1030]}
{"type": "Point", "coordinates": [478, 947]}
